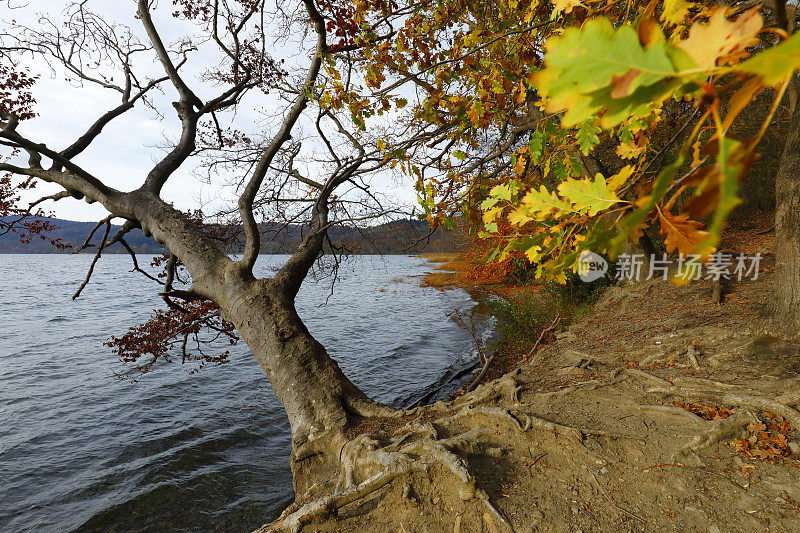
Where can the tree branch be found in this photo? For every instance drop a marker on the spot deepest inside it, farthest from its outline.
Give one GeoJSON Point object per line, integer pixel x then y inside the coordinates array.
{"type": "Point", "coordinates": [252, 235]}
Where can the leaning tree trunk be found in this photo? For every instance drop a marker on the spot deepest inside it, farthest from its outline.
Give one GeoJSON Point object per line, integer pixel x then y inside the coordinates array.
{"type": "Point", "coordinates": [785, 305]}
{"type": "Point", "coordinates": [319, 399]}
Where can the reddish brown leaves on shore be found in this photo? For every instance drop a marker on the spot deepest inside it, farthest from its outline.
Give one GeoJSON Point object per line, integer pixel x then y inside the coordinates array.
{"type": "Point", "coordinates": [707, 412]}
{"type": "Point", "coordinates": [768, 439]}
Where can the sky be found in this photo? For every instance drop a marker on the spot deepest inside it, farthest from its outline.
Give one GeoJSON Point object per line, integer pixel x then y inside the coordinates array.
{"type": "Point", "coordinates": [129, 145]}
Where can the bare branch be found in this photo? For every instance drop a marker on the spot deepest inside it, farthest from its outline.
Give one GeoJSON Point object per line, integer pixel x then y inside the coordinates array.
{"type": "Point", "coordinates": [94, 261]}
{"type": "Point", "coordinates": [252, 235]}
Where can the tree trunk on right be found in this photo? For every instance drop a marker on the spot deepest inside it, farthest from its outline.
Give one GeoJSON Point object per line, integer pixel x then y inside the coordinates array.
{"type": "Point", "coordinates": [785, 305]}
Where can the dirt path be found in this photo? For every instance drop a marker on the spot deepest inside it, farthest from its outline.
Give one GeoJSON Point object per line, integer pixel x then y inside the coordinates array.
{"type": "Point", "coordinates": [657, 412]}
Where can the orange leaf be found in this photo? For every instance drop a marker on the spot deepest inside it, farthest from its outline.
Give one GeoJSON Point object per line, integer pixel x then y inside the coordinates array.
{"type": "Point", "coordinates": [649, 31]}
{"type": "Point", "coordinates": [680, 232]}
{"type": "Point", "coordinates": [622, 84]}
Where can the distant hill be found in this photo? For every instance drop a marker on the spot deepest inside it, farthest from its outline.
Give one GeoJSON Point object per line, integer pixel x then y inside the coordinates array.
{"type": "Point", "coordinates": [74, 233]}
{"type": "Point", "coordinates": [399, 236]}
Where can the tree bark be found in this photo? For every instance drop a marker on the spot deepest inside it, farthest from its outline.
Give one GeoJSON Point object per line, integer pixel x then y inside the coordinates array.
{"type": "Point", "coordinates": [318, 398]}
{"type": "Point", "coordinates": [785, 305]}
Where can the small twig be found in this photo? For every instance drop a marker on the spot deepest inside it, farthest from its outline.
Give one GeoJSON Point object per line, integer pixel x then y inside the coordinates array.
{"type": "Point", "coordinates": [86, 243]}
{"type": "Point", "coordinates": [459, 319]}
{"type": "Point", "coordinates": [94, 261]}
{"type": "Point", "coordinates": [475, 382]}
{"type": "Point", "coordinates": [552, 326]}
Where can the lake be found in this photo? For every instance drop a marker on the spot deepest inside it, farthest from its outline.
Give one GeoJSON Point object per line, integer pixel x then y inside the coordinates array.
{"type": "Point", "coordinates": [83, 450]}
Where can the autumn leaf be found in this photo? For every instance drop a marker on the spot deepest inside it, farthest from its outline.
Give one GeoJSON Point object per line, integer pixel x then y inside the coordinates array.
{"type": "Point", "coordinates": [519, 168]}
{"type": "Point", "coordinates": [630, 150]}
{"type": "Point", "coordinates": [475, 112]}
{"type": "Point", "coordinates": [620, 178]}
{"type": "Point", "coordinates": [648, 29]}
{"type": "Point", "coordinates": [680, 232]}
{"type": "Point", "coordinates": [777, 63]}
{"type": "Point", "coordinates": [544, 203]}
{"type": "Point", "coordinates": [584, 60]}
{"type": "Point", "coordinates": [501, 192]}
{"type": "Point", "coordinates": [587, 195]}
{"type": "Point", "coordinates": [709, 43]}
{"type": "Point", "coordinates": [565, 6]}
{"type": "Point", "coordinates": [675, 11]}
{"type": "Point", "coordinates": [587, 136]}
{"type": "Point", "coordinates": [519, 216]}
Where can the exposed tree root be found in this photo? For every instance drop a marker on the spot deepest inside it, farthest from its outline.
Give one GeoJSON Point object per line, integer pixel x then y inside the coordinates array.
{"type": "Point", "coordinates": [526, 421]}
{"type": "Point", "coordinates": [327, 504]}
{"type": "Point", "coordinates": [414, 449]}
{"type": "Point", "coordinates": [680, 411]}
{"type": "Point", "coordinates": [747, 401]}
{"type": "Point", "coordinates": [506, 388]}
{"type": "Point", "coordinates": [721, 429]}
{"type": "Point", "coordinates": [710, 383]}
{"type": "Point", "coordinates": [646, 375]}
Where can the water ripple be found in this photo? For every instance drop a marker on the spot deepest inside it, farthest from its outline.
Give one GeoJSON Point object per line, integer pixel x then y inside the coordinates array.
{"type": "Point", "coordinates": [81, 450]}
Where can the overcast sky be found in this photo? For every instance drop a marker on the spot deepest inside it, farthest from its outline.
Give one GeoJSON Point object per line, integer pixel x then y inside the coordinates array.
{"type": "Point", "coordinates": [128, 147]}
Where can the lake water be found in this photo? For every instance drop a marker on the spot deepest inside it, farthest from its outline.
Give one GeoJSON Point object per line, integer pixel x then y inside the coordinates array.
{"type": "Point", "coordinates": [82, 450]}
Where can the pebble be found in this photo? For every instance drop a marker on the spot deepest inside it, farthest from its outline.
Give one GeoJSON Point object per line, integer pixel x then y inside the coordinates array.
{"type": "Point", "coordinates": [794, 447]}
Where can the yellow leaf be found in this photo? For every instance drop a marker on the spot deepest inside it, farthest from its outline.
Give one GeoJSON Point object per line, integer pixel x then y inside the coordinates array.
{"type": "Point", "coordinates": [565, 5]}
{"type": "Point", "coordinates": [629, 150]}
{"type": "Point", "coordinates": [675, 11]}
{"type": "Point", "coordinates": [491, 214]}
{"type": "Point", "coordinates": [545, 203]}
{"type": "Point", "coordinates": [533, 254]}
{"type": "Point", "coordinates": [711, 43]}
{"type": "Point", "coordinates": [591, 196]}
{"type": "Point", "coordinates": [620, 178]}
{"type": "Point", "coordinates": [519, 217]}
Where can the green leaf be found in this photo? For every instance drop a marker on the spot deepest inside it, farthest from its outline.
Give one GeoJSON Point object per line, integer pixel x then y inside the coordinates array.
{"type": "Point", "coordinates": [777, 63]}
{"type": "Point", "coordinates": [536, 146]}
{"type": "Point", "coordinates": [587, 136]}
{"type": "Point", "coordinates": [597, 68]}
{"type": "Point", "coordinates": [594, 56]}
{"type": "Point", "coordinates": [502, 191]}
{"type": "Point", "coordinates": [489, 203]}
{"type": "Point", "coordinates": [590, 196]}
{"type": "Point", "coordinates": [559, 168]}
{"type": "Point", "coordinates": [574, 166]}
